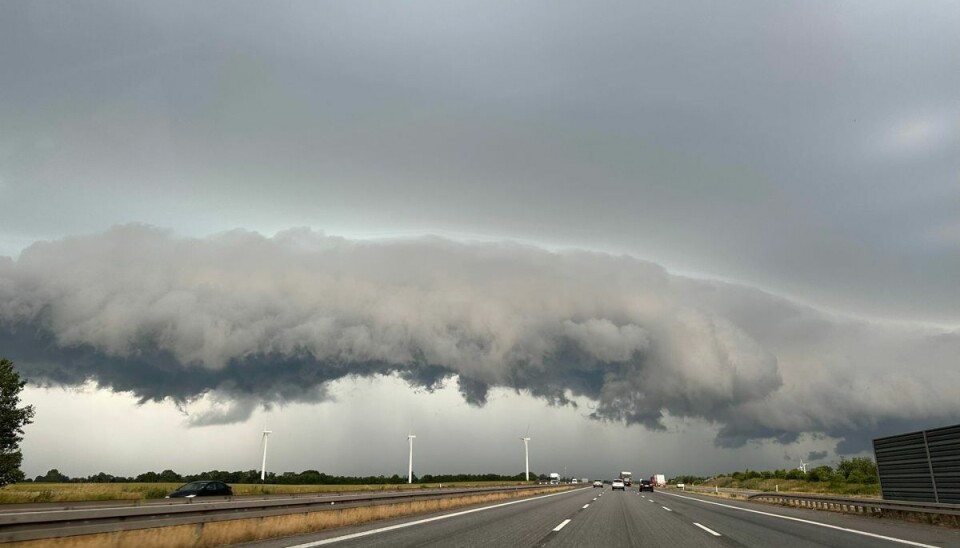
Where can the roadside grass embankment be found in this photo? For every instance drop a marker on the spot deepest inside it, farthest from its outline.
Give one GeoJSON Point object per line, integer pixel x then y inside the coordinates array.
{"type": "Point", "coordinates": [222, 533]}
{"type": "Point", "coordinates": [796, 486]}
{"type": "Point", "coordinates": [34, 492]}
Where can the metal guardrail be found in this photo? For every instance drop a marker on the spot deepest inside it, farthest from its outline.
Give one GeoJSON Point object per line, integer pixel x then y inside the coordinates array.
{"type": "Point", "coordinates": [857, 505]}
{"type": "Point", "coordinates": [125, 503]}
{"type": "Point", "coordinates": [38, 523]}
{"type": "Point", "coordinates": [726, 490]}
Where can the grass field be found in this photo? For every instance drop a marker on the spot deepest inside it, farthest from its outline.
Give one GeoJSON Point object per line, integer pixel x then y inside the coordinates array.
{"type": "Point", "coordinates": [74, 492]}
{"type": "Point", "coordinates": [797, 486]}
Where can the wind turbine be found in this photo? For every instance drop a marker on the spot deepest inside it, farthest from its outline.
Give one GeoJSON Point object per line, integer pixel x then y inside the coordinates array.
{"type": "Point", "coordinates": [526, 450]}
{"type": "Point", "coordinates": [803, 466]}
{"type": "Point", "coordinates": [410, 467]}
{"type": "Point", "coordinates": [263, 467]}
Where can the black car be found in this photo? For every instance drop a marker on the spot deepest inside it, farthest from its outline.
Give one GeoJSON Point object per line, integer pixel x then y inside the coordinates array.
{"type": "Point", "coordinates": [646, 485]}
{"type": "Point", "coordinates": [203, 489]}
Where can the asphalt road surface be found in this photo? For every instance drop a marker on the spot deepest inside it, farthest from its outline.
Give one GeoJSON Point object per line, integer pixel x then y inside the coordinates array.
{"type": "Point", "coordinates": [592, 517]}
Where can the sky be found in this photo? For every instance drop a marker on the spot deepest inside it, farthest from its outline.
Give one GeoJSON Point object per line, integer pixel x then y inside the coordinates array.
{"type": "Point", "coordinates": [672, 237]}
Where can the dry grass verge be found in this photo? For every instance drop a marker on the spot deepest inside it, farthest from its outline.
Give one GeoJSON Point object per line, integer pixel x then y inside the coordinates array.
{"type": "Point", "coordinates": [798, 486]}
{"type": "Point", "coordinates": [222, 533]}
{"type": "Point", "coordinates": [76, 492]}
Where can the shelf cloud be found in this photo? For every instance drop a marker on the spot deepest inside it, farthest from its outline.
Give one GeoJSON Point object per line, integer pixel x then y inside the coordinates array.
{"type": "Point", "coordinates": [250, 320]}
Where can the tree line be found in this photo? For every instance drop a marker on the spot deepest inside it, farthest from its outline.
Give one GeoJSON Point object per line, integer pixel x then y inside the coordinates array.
{"type": "Point", "coordinates": [860, 470]}
{"type": "Point", "coordinates": [307, 477]}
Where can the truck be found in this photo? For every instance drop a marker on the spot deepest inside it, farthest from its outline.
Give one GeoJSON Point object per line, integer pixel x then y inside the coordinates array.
{"type": "Point", "coordinates": [659, 480]}
{"type": "Point", "coordinates": [554, 478]}
{"type": "Point", "coordinates": [627, 478]}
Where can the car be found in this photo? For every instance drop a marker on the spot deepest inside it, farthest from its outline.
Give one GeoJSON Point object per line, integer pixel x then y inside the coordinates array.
{"type": "Point", "coordinates": [645, 485]}
{"type": "Point", "coordinates": [598, 483]}
{"type": "Point", "coordinates": [618, 484]}
{"type": "Point", "coordinates": [204, 488]}
{"type": "Point", "coordinates": [574, 480]}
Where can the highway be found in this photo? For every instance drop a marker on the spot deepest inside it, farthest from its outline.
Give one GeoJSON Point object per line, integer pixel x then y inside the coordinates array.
{"type": "Point", "coordinates": [590, 517]}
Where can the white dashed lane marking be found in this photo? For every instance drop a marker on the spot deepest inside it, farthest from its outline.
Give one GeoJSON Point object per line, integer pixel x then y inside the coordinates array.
{"type": "Point", "coordinates": [707, 529]}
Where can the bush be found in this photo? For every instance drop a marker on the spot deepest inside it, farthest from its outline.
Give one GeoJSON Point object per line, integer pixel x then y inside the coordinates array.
{"type": "Point", "coordinates": [822, 473]}
{"type": "Point", "coordinates": [44, 496]}
{"type": "Point", "coordinates": [858, 470]}
{"type": "Point", "coordinates": [796, 475]}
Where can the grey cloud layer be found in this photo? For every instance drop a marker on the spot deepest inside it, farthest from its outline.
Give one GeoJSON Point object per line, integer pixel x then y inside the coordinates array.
{"type": "Point", "coordinates": [808, 147]}
{"type": "Point", "coordinates": [251, 320]}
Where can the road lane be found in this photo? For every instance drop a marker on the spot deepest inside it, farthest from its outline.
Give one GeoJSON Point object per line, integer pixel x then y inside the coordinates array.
{"type": "Point", "coordinates": [587, 518]}
{"type": "Point", "coordinates": [626, 519]}
{"type": "Point", "coordinates": [524, 523]}
{"type": "Point", "coordinates": [753, 524]}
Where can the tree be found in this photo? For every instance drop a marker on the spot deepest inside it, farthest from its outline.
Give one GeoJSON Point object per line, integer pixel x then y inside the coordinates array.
{"type": "Point", "coordinates": [796, 474]}
{"type": "Point", "coordinates": [53, 476]}
{"type": "Point", "coordinates": [822, 473]}
{"type": "Point", "coordinates": [12, 420]}
{"type": "Point", "coordinates": [148, 477]}
{"type": "Point", "coordinates": [858, 470]}
{"type": "Point", "coordinates": [169, 476]}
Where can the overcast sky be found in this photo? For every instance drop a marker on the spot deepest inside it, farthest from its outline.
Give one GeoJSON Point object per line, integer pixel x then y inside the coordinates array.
{"type": "Point", "coordinates": [730, 228]}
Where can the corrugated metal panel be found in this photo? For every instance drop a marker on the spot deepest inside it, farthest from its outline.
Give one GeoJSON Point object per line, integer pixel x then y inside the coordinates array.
{"type": "Point", "coordinates": [944, 447]}
{"type": "Point", "coordinates": [920, 466]}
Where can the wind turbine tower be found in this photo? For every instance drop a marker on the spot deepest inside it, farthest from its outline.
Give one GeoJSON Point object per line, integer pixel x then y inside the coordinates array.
{"type": "Point", "coordinates": [526, 454]}
{"type": "Point", "coordinates": [263, 466]}
{"type": "Point", "coordinates": [410, 466]}
{"type": "Point", "coordinates": [803, 466]}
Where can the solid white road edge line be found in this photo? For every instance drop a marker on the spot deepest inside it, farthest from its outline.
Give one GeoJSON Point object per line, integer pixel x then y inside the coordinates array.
{"type": "Point", "coordinates": [422, 521]}
{"type": "Point", "coordinates": [707, 529]}
{"type": "Point", "coordinates": [817, 523]}
{"type": "Point", "coordinates": [562, 525]}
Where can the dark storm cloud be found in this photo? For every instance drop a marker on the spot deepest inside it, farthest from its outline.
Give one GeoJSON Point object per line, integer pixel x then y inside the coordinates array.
{"type": "Point", "coordinates": [250, 320]}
